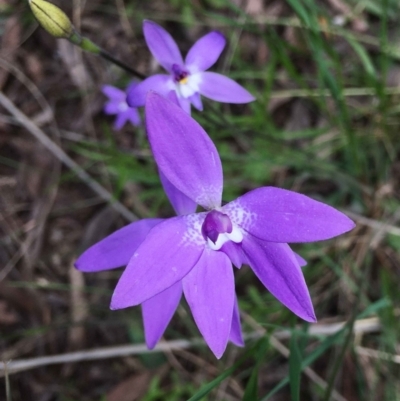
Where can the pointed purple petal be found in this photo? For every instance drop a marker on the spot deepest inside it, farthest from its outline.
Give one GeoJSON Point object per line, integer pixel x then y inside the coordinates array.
{"type": "Point", "coordinates": [179, 201]}
{"type": "Point", "coordinates": [162, 84]}
{"type": "Point", "coordinates": [279, 215]}
{"type": "Point", "coordinates": [161, 44]}
{"type": "Point", "coordinates": [277, 268]}
{"type": "Point", "coordinates": [236, 336]}
{"type": "Point", "coordinates": [116, 249]}
{"type": "Point", "coordinates": [120, 120]}
{"type": "Point", "coordinates": [302, 262]}
{"type": "Point", "coordinates": [184, 152]}
{"type": "Point", "coordinates": [111, 107]}
{"type": "Point", "coordinates": [205, 52]}
{"type": "Point", "coordinates": [157, 312]}
{"type": "Point", "coordinates": [113, 93]}
{"type": "Point", "coordinates": [133, 116]}
{"type": "Point", "coordinates": [184, 104]}
{"type": "Point", "coordinates": [196, 101]}
{"type": "Point", "coordinates": [173, 97]}
{"type": "Point", "coordinates": [209, 291]}
{"type": "Point", "coordinates": [223, 89]}
{"type": "Point", "coordinates": [169, 252]}
{"type": "Point", "coordinates": [235, 253]}
{"type": "Point", "coordinates": [131, 86]}
{"type": "Point", "coordinates": [130, 114]}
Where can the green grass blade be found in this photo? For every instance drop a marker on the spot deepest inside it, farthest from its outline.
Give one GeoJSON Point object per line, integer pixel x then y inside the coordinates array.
{"type": "Point", "coordinates": [228, 372]}
{"type": "Point", "coordinates": [294, 368]}
{"type": "Point", "coordinates": [324, 346]}
{"type": "Point", "coordinates": [251, 391]}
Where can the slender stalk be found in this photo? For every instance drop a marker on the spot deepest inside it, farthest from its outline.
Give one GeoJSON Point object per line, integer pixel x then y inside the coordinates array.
{"type": "Point", "coordinates": [110, 58]}
{"type": "Point", "coordinates": [57, 24]}
{"type": "Point", "coordinates": [89, 46]}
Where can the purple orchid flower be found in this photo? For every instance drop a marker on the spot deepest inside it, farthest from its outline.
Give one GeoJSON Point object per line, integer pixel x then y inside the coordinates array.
{"type": "Point", "coordinates": [198, 249]}
{"type": "Point", "coordinates": [189, 78]}
{"type": "Point", "coordinates": [117, 105]}
{"type": "Point", "coordinates": [117, 249]}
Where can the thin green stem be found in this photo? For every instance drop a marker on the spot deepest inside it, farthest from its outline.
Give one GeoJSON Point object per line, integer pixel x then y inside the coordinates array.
{"type": "Point", "coordinates": [110, 58]}
{"type": "Point", "coordinates": [91, 47]}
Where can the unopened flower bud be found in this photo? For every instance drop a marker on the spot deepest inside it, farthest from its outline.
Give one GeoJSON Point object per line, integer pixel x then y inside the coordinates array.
{"type": "Point", "coordinates": [52, 18]}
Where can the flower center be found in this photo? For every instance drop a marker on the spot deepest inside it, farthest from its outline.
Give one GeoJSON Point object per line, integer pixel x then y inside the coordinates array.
{"type": "Point", "coordinates": [123, 106]}
{"type": "Point", "coordinates": [217, 229]}
{"type": "Point", "coordinates": [180, 75]}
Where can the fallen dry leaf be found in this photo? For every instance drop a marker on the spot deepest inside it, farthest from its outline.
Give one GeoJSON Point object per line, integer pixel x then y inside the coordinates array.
{"type": "Point", "coordinates": [131, 389]}
{"type": "Point", "coordinates": [7, 316]}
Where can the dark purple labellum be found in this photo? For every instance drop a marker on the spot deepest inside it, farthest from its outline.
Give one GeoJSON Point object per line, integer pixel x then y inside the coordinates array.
{"type": "Point", "coordinates": [214, 224]}
{"type": "Point", "coordinates": [180, 75]}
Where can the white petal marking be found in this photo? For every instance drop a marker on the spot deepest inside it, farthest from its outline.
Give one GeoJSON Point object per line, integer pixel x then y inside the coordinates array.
{"type": "Point", "coordinates": [189, 87]}
{"type": "Point", "coordinates": [193, 235]}
{"type": "Point", "coordinates": [239, 215]}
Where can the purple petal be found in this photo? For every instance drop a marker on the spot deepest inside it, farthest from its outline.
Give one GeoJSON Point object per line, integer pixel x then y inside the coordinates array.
{"type": "Point", "coordinates": [161, 44]}
{"type": "Point", "coordinates": [173, 97]}
{"type": "Point", "coordinates": [121, 120]}
{"type": "Point", "coordinates": [223, 89]}
{"type": "Point", "coordinates": [236, 336]}
{"type": "Point", "coordinates": [235, 253]}
{"type": "Point", "coordinates": [196, 101]}
{"type": "Point", "coordinates": [157, 312]}
{"type": "Point", "coordinates": [277, 268]}
{"type": "Point", "coordinates": [116, 249]}
{"type": "Point", "coordinates": [162, 84]}
{"type": "Point", "coordinates": [209, 291]}
{"type": "Point", "coordinates": [169, 252]}
{"type": "Point", "coordinates": [133, 116]}
{"type": "Point", "coordinates": [131, 86]}
{"type": "Point", "coordinates": [279, 215]}
{"type": "Point", "coordinates": [302, 262]}
{"type": "Point", "coordinates": [184, 104]}
{"type": "Point", "coordinates": [113, 93]}
{"type": "Point", "coordinates": [112, 107]}
{"type": "Point", "coordinates": [205, 52]}
{"type": "Point", "coordinates": [184, 152]}
{"type": "Point", "coordinates": [179, 201]}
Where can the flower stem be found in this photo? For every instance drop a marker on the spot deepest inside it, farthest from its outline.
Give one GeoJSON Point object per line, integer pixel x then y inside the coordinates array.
{"type": "Point", "coordinates": [89, 46]}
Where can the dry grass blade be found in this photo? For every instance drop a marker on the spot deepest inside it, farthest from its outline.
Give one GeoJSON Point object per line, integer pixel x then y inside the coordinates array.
{"type": "Point", "coordinates": [95, 354]}
{"type": "Point", "coordinates": [377, 225]}
{"type": "Point", "coordinates": [360, 327]}
{"type": "Point", "coordinates": [79, 308]}
{"type": "Point", "coordinates": [372, 353]}
{"type": "Point", "coordinates": [8, 388]}
{"type": "Point", "coordinates": [64, 158]}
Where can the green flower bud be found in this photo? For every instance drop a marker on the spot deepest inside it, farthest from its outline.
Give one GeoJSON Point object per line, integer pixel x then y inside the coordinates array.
{"type": "Point", "coordinates": [52, 18]}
